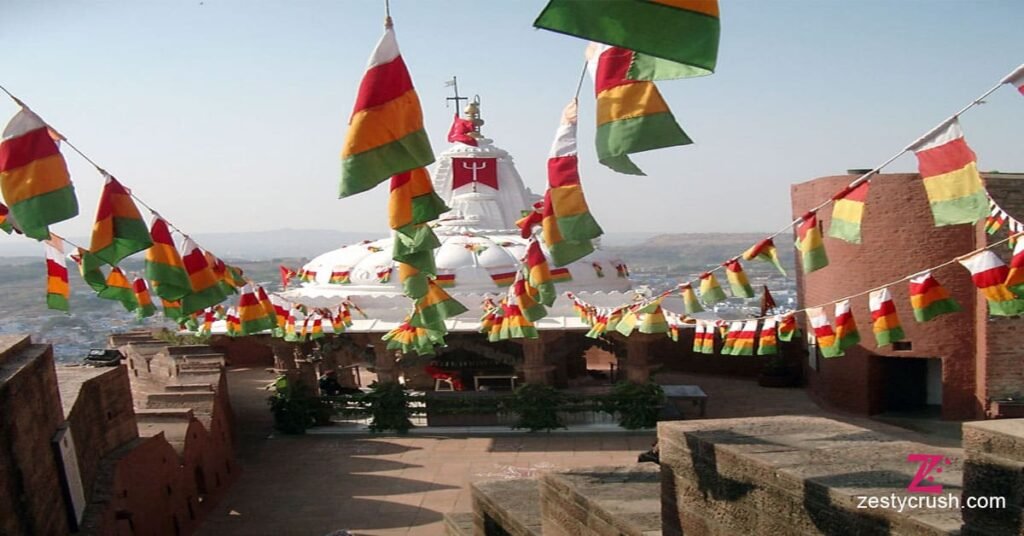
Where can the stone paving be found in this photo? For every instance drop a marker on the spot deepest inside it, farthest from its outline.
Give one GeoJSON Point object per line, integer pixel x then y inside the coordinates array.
{"type": "Point", "coordinates": [381, 485]}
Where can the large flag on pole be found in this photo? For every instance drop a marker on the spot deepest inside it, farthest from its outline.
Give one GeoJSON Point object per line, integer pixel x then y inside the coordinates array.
{"type": "Point", "coordinates": [632, 117]}
{"type": "Point", "coordinates": [567, 225]}
{"type": "Point", "coordinates": [949, 170]}
{"type": "Point", "coordinates": [681, 31]}
{"type": "Point", "coordinates": [34, 178]}
{"type": "Point", "coordinates": [385, 135]}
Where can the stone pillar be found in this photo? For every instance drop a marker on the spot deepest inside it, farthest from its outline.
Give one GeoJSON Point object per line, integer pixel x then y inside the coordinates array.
{"type": "Point", "coordinates": [637, 366]}
{"type": "Point", "coordinates": [386, 363]}
{"type": "Point", "coordinates": [307, 376]}
{"type": "Point", "coordinates": [284, 354]}
{"type": "Point", "coordinates": [535, 367]}
{"type": "Point", "coordinates": [341, 359]}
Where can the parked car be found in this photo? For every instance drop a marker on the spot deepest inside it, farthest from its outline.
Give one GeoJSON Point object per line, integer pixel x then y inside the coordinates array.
{"type": "Point", "coordinates": [103, 357]}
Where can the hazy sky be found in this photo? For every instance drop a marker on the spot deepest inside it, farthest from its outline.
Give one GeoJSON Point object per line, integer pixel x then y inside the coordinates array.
{"type": "Point", "coordinates": [229, 115]}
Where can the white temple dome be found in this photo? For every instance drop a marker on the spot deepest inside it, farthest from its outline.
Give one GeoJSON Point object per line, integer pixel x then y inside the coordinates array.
{"type": "Point", "coordinates": [480, 251]}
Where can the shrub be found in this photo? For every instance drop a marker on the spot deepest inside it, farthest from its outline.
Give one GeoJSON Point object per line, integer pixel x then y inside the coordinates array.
{"type": "Point", "coordinates": [637, 404]}
{"type": "Point", "coordinates": [389, 407]}
{"type": "Point", "coordinates": [537, 406]}
{"type": "Point", "coordinates": [293, 408]}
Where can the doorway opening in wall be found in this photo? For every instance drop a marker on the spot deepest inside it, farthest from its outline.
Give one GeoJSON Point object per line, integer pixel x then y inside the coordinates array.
{"type": "Point", "coordinates": [911, 390]}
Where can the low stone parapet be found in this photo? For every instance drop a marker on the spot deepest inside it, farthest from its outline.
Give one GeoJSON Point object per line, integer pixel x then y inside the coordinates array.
{"type": "Point", "coordinates": [513, 506]}
{"type": "Point", "coordinates": [994, 467]}
{"type": "Point", "coordinates": [796, 475]}
{"type": "Point", "coordinates": [602, 501]}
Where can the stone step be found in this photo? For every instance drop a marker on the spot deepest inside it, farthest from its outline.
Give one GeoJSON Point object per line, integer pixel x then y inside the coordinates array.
{"type": "Point", "coordinates": [512, 506]}
{"type": "Point", "coordinates": [190, 388]}
{"type": "Point", "coordinates": [602, 501]}
{"type": "Point", "coordinates": [459, 524]}
{"type": "Point", "coordinates": [163, 415]}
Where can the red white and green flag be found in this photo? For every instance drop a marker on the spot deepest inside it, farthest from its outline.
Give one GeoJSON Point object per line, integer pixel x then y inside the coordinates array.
{"type": "Point", "coordinates": [848, 211]}
{"type": "Point", "coordinates": [251, 314]}
{"type": "Point", "coordinates": [989, 273]}
{"type": "Point", "coordinates": [810, 244]}
{"type": "Point", "coordinates": [385, 134]}
{"type": "Point", "coordinates": [632, 117]}
{"type": "Point", "coordinates": [34, 178]}
{"type": "Point", "coordinates": [768, 343]}
{"type": "Point", "coordinates": [57, 289]}
{"type": "Point", "coordinates": [847, 335]}
{"type": "Point", "coordinates": [708, 344]}
{"type": "Point", "coordinates": [949, 170]}
{"type": "Point", "coordinates": [710, 291]}
{"type": "Point", "coordinates": [744, 341]}
{"type": "Point", "coordinates": [698, 337]}
{"type": "Point", "coordinates": [930, 299]}
{"type": "Point", "coordinates": [738, 282]}
{"type": "Point", "coordinates": [766, 251]}
{"type": "Point", "coordinates": [119, 230]}
{"type": "Point", "coordinates": [885, 322]}
{"type": "Point", "coordinates": [823, 332]}
{"type": "Point", "coordinates": [733, 332]}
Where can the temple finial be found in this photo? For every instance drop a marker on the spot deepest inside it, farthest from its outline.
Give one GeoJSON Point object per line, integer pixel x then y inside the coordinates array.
{"type": "Point", "coordinates": [473, 114]}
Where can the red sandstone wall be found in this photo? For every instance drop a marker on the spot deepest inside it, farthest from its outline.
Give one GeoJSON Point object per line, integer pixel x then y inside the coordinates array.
{"type": "Point", "coordinates": [252, 351]}
{"type": "Point", "coordinates": [31, 501]}
{"type": "Point", "coordinates": [899, 238]}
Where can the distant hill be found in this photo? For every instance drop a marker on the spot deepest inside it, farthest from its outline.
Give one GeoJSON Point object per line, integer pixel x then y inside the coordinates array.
{"type": "Point", "coordinates": [250, 246]}
{"type": "Point", "coordinates": [692, 252]}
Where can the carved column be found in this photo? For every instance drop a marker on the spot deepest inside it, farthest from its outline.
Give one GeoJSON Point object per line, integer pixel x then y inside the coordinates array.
{"type": "Point", "coordinates": [638, 366]}
{"type": "Point", "coordinates": [284, 354]}
{"type": "Point", "coordinates": [535, 367]}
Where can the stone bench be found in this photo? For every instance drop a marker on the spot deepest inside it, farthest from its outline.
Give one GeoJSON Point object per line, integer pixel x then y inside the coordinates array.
{"type": "Point", "coordinates": [602, 501]}
{"type": "Point", "coordinates": [794, 475]}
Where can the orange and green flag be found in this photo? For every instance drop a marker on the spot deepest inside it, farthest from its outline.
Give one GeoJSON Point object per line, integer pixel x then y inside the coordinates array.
{"type": "Point", "coordinates": [710, 291]}
{"type": "Point", "coordinates": [146, 308]}
{"type": "Point", "coordinates": [929, 298]}
{"type": "Point", "coordinates": [34, 178]}
{"type": "Point", "coordinates": [765, 251]}
{"type": "Point", "coordinates": [738, 282]}
{"type": "Point", "coordinates": [847, 212]}
{"type": "Point", "coordinates": [119, 230]}
{"type": "Point", "coordinates": [172, 309]}
{"type": "Point", "coordinates": [120, 289]}
{"type": "Point", "coordinates": [251, 314]}
{"type": "Point", "coordinates": [514, 325]}
{"type": "Point", "coordinates": [632, 117]}
{"type": "Point", "coordinates": [206, 292]}
{"type": "Point", "coordinates": [949, 170]}
{"type": "Point", "coordinates": [385, 134]}
{"type": "Point", "coordinates": [57, 289]}
{"type": "Point", "coordinates": [539, 273]}
{"type": "Point", "coordinates": [434, 308]}
{"type": "Point", "coordinates": [679, 35]}
{"type": "Point", "coordinates": [810, 244]}
{"type": "Point", "coordinates": [413, 203]}
{"type": "Point", "coordinates": [885, 322]}
{"type": "Point", "coordinates": [164, 266]}
{"type": "Point", "coordinates": [526, 297]}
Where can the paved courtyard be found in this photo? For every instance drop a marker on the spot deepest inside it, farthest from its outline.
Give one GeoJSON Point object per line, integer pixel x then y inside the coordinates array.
{"type": "Point", "coordinates": [316, 484]}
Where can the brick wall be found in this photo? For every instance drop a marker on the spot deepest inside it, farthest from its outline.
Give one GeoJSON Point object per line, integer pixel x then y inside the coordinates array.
{"type": "Point", "coordinates": [251, 351]}
{"type": "Point", "coordinates": [899, 238]}
{"type": "Point", "coordinates": [32, 501]}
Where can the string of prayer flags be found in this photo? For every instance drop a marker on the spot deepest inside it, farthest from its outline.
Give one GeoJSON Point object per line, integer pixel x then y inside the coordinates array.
{"type": "Point", "coordinates": [172, 309]}
{"type": "Point", "coordinates": [343, 276]}
{"type": "Point", "coordinates": [567, 226]}
{"type": "Point", "coordinates": [930, 299]}
{"type": "Point", "coordinates": [768, 343]}
{"type": "Point", "coordinates": [119, 289]}
{"type": "Point", "coordinates": [598, 325]}
{"type": "Point", "coordinates": [632, 117]}
{"type": "Point", "coordinates": [823, 333]}
{"type": "Point", "coordinates": [119, 230]}
{"type": "Point", "coordinates": [684, 33]}
{"type": "Point", "coordinates": [885, 322]}
{"type": "Point", "coordinates": [411, 204]}
{"type": "Point", "coordinates": [708, 344]}
{"type": "Point", "coordinates": [164, 266]}
{"type": "Point", "coordinates": [698, 338]}
{"type": "Point", "coordinates": [691, 305]}
{"type": "Point", "coordinates": [710, 291]}
{"type": "Point", "coordinates": [5, 219]}
{"type": "Point", "coordinates": [146, 308]}
{"type": "Point", "coordinates": [743, 343]}
{"type": "Point", "coordinates": [385, 134]}
{"type": "Point", "coordinates": [738, 282]}
{"type": "Point", "coordinates": [996, 218]}
{"type": "Point", "coordinates": [989, 273]}
{"type": "Point", "coordinates": [408, 338]}
{"type": "Point", "coordinates": [731, 333]}
{"type": "Point", "coordinates": [847, 335]}
{"type": "Point", "coordinates": [57, 289]}
{"type": "Point", "coordinates": [787, 327]}
{"type": "Point", "coordinates": [316, 330]}
{"type": "Point", "coordinates": [765, 251]}
{"type": "Point", "coordinates": [652, 318]}
{"type": "Point", "coordinates": [34, 177]}
{"type": "Point", "coordinates": [848, 211]}
{"type": "Point", "coordinates": [810, 244]}
{"type": "Point", "coordinates": [1015, 79]}
{"type": "Point", "coordinates": [514, 325]}
{"type": "Point", "coordinates": [1015, 276]}
{"type": "Point", "coordinates": [205, 290]}
{"type": "Point", "coordinates": [949, 170]}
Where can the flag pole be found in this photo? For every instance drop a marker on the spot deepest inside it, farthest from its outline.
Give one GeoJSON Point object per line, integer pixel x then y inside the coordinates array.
{"type": "Point", "coordinates": [387, 14]}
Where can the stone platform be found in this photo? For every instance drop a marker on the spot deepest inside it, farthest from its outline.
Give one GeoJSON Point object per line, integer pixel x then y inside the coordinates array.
{"type": "Point", "coordinates": [795, 475]}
